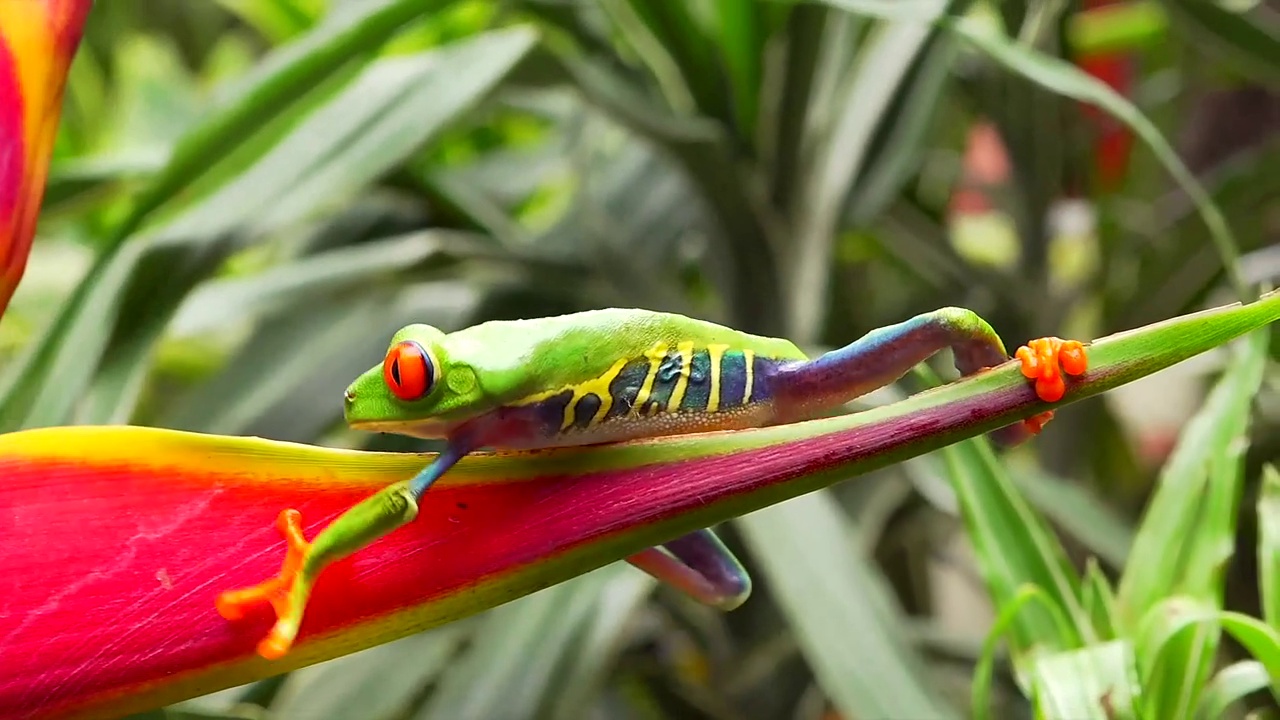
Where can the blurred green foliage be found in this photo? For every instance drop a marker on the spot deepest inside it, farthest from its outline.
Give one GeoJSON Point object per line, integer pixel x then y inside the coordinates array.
{"type": "Point", "coordinates": [249, 196]}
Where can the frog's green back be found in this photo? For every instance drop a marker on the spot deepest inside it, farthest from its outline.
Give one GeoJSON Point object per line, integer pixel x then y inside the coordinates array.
{"type": "Point", "coordinates": [516, 359]}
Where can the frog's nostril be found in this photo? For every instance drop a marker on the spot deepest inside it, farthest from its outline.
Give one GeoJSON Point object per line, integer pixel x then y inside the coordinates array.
{"type": "Point", "coordinates": [348, 396]}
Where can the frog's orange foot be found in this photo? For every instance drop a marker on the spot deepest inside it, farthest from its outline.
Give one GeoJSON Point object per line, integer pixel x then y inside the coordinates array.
{"type": "Point", "coordinates": [1036, 423]}
{"type": "Point", "coordinates": [1046, 359]}
{"type": "Point", "coordinates": [279, 591]}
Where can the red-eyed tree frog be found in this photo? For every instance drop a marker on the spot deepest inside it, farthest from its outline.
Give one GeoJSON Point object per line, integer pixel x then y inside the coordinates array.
{"type": "Point", "coordinates": [607, 376]}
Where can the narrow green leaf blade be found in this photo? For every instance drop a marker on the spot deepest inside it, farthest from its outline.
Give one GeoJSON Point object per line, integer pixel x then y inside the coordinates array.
{"type": "Point", "coordinates": [271, 89]}
{"type": "Point", "coordinates": [585, 673]}
{"type": "Point", "coordinates": [741, 43]}
{"type": "Point", "coordinates": [1231, 685]}
{"type": "Point", "coordinates": [378, 684]}
{"type": "Point", "coordinates": [1098, 682]}
{"type": "Point", "coordinates": [1251, 41]}
{"type": "Point", "coordinates": [1015, 547]}
{"type": "Point", "coordinates": [803, 548]}
{"type": "Point", "coordinates": [1005, 624]}
{"type": "Point", "coordinates": [1099, 601]}
{"type": "Point", "coordinates": [1079, 512]}
{"type": "Point", "coordinates": [839, 153]}
{"type": "Point", "coordinates": [512, 664]}
{"type": "Point", "coordinates": [391, 110]}
{"type": "Point", "coordinates": [1171, 533]}
{"type": "Point", "coordinates": [1269, 545]}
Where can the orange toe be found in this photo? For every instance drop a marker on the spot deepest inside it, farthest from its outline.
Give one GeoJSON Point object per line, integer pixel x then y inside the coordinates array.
{"type": "Point", "coordinates": [233, 604]}
{"type": "Point", "coordinates": [1046, 359]}
{"type": "Point", "coordinates": [1036, 423]}
{"type": "Point", "coordinates": [275, 645]}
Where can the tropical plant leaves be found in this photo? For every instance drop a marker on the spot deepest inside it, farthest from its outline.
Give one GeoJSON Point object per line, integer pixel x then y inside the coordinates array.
{"type": "Point", "coordinates": [803, 547]}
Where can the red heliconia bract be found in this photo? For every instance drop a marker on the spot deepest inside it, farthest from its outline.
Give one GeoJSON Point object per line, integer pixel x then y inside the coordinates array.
{"type": "Point", "coordinates": [38, 39]}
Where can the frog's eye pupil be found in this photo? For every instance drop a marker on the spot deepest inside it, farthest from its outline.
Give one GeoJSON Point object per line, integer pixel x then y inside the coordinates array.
{"type": "Point", "coordinates": [409, 371]}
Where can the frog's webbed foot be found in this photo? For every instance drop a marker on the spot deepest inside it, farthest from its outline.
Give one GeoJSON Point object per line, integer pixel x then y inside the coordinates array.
{"type": "Point", "coordinates": [1046, 360]}
{"type": "Point", "coordinates": [699, 565]}
{"type": "Point", "coordinates": [286, 593]}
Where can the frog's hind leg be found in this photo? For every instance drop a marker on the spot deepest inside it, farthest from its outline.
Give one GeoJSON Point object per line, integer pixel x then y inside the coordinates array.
{"type": "Point", "coordinates": [699, 565]}
{"type": "Point", "coordinates": [886, 354]}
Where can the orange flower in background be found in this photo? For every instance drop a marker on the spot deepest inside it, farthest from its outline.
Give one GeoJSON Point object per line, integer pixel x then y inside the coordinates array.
{"type": "Point", "coordinates": [38, 39]}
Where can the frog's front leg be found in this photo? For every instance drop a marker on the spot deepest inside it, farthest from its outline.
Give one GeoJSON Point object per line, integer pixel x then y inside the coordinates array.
{"type": "Point", "coordinates": [886, 354]}
{"type": "Point", "coordinates": [288, 592]}
{"type": "Point", "coordinates": [699, 565]}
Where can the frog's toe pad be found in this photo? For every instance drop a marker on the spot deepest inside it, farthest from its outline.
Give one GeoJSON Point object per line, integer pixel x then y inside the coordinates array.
{"type": "Point", "coordinates": [1046, 359]}
{"type": "Point", "coordinates": [278, 591]}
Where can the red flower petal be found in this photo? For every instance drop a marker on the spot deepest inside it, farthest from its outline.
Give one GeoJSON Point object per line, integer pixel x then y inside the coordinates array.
{"type": "Point", "coordinates": [38, 39]}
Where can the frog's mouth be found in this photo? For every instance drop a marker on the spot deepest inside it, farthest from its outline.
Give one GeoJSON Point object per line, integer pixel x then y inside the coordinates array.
{"type": "Point", "coordinates": [425, 429]}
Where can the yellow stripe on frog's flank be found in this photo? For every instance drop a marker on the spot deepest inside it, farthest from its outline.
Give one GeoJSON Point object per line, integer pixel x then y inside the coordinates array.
{"type": "Point", "coordinates": [598, 387]}
{"type": "Point", "coordinates": [748, 358]}
{"type": "Point", "coordinates": [717, 355]}
{"type": "Point", "coordinates": [685, 350]}
{"type": "Point", "coordinates": [655, 355]}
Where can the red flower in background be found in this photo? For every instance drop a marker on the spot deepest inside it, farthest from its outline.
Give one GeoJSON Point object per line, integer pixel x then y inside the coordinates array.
{"type": "Point", "coordinates": [1113, 140]}
{"type": "Point", "coordinates": [38, 39]}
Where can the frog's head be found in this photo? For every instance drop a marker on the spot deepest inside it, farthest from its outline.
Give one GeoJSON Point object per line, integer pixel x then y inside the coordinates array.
{"type": "Point", "coordinates": [417, 389]}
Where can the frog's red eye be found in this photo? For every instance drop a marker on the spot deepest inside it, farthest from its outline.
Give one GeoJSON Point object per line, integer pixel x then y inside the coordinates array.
{"type": "Point", "coordinates": [408, 371]}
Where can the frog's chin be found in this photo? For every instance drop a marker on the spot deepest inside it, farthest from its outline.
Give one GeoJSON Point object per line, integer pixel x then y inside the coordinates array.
{"type": "Point", "coordinates": [426, 429]}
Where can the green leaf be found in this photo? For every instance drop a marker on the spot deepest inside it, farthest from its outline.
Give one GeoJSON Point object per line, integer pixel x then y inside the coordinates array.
{"type": "Point", "coordinates": [1180, 668]}
{"type": "Point", "coordinates": [803, 548]}
{"type": "Point", "coordinates": [1251, 42]}
{"type": "Point", "coordinates": [1065, 79]}
{"type": "Point", "coordinates": [1176, 624]}
{"type": "Point", "coordinates": [1099, 601]}
{"type": "Point", "coordinates": [585, 673]}
{"type": "Point", "coordinates": [900, 142]}
{"type": "Point", "coordinates": [347, 34]}
{"type": "Point", "coordinates": [1269, 545]}
{"type": "Point", "coordinates": [704, 151]}
{"type": "Point", "coordinates": [1188, 528]}
{"type": "Point", "coordinates": [680, 34]}
{"type": "Point", "coordinates": [837, 155]}
{"type": "Point", "coordinates": [512, 667]}
{"type": "Point", "coordinates": [277, 20]}
{"type": "Point", "coordinates": [388, 112]}
{"type": "Point", "coordinates": [380, 683]}
{"type": "Point", "coordinates": [1079, 512]}
{"type": "Point", "coordinates": [1232, 684]}
{"type": "Point", "coordinates": [741, 41]}
{"type": "Point", "coordinates": [1005, 624]}
{"type": "Point", "coordinates": [1189, 533]}
{"type": "Point", "coordinates": [383, 116]}
{"type": "Point", "coordinates": [1014, 547]}
{"type": "Point", "coordinates": [1095, 682]}
{"type": "Point", "coordinates": [241, 299]}
{"type": "Point", "coordinates": [268, 388]}
{"type": "Point", "coordinates": [285, 78]}
{"type": "Point", "coordinates": [787, 117]}
{"type": "Point", "coordinates": [1261, 640]}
